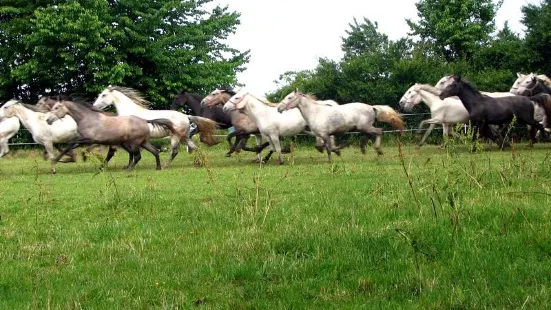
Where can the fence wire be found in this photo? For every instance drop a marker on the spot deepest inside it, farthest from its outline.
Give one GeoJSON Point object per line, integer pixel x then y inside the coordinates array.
{"type": "Point", "coordinates": [347, 133]}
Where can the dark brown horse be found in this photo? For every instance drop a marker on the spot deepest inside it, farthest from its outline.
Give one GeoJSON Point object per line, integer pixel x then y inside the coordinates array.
{"type": "Point", "coordinates": [94, 127]}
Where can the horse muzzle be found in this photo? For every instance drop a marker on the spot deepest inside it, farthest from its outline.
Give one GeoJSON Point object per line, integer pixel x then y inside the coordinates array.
{"type": "Point", "coordinates": [51, 119]}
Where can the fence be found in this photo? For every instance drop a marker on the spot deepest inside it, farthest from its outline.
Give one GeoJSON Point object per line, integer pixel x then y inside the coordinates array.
{"type": "Point", "coordinates": [24, 132]}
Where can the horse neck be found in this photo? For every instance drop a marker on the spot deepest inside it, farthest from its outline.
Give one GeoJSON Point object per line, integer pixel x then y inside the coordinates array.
{"type": "Point", "coordinates": [29, 119]}
{"type": "Point", "coordinates": [429, 98]}
{"type": "Point", "coordinates": [306, 106]}
{"type": "Point", "coordinates": [256, 108]}
{"type": "Point", "coordinates": [543, 88]}
{"type": "Point", "coordinates": [469, 97]}
{"type": "Point", "coordinates": [125, 106]}
{"type": "Point", "coordinates": [78, 113]}
{"type": "Point", "coordinates": [194, 105]}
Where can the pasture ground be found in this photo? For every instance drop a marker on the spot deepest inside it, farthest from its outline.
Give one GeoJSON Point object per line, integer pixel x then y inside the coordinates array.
{"type": "Point", "coordinates": [433, 229]}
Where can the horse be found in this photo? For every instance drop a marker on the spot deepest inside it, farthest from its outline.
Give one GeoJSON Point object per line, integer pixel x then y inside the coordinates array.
{"type": "Point", "coordinates": [271, 124]}
{"type": "Point", "coordinates": [94, 127]}
{"type": "Point", "coordinates": [446, 112]}
{"type": "Point", "coordinates": [34, 119]}
{"type": "Point", "coordinates": [531, 84]}
{"type": "Point", "coordinates": [8, 128]}
{"type": "Point", "coordinates": [47, 103]}
{"type": "Point", "coordinates": [244, 126]}
{"type": "Point", "coordinates": [484, 110]}
{"type": "Point", "coordinates": [128, 101]}
{"type": "Point", "coordinates": [324, 121]}
{"type": "Point", "coordinates": [445, 81]}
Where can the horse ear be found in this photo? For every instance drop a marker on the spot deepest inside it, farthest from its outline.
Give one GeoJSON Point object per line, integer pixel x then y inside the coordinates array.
{"type": "Point", "coordinates": [296, 89]}
{"type": "Point", "coordinates": [519, 74]}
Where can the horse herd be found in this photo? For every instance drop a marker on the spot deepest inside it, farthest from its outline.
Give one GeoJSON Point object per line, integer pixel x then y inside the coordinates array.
{"type": "Point", "coordinates": [57, 120]}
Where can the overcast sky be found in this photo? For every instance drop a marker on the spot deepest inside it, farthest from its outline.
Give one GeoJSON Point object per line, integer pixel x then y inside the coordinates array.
{"type": "Point", "coordinates": [290, 35]}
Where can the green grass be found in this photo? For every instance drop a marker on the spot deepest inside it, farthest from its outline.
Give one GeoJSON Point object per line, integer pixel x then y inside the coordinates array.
{"type": "Point", "coordinates": [459, 230]}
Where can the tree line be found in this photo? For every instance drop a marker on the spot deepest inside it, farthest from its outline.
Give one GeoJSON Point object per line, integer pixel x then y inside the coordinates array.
{"type": "Point", "coordinates": [450, 37]}
{"type": "Point", "coordinates": [158, 47]}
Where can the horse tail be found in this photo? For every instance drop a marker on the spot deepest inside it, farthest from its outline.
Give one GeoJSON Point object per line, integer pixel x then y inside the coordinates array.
{"type": "Point", "coordinates": [206, 128]}
{"type": "Point", "coordinates": [544, 101]}
{"type": "Point", "coordinates": [165, 124]}
{"type": "Point", "coordinates": [387, 114]}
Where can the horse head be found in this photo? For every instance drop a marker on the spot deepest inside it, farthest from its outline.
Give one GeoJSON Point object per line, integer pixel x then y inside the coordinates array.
{"type": "Point", "coordinates": [524, 84]}
{"type": "Point", "coordinates": [453, 86]}
{"type": "Point", "coordinates": [410, 98]}
{"type": "Point", "coordinates": [58, 111]}
{"type": "Point", "coordinates": [7, 109]}
{"type": "Point", "coordinates": [290, 101]}
{"type": "Point", "coordinates": [217, 97]}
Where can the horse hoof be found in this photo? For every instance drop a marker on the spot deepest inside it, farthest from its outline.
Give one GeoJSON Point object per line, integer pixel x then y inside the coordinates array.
{"type": "Point", "coordinates": [319, 148]}
{"type": "Point", "coordinates": [54, 172]}
{"type": "Point", "coordinates": [159, 168]}
{"type": "Point", "coordinates": [228, 155]}
{"type": "Point", "coordinates": [338, 152]}
{"type": "Point", "coordinates": [417, 147]}
{"type": "Point", "coordinates": [380, 153]}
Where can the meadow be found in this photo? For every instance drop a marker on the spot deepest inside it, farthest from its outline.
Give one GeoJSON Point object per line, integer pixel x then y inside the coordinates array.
{"type": "Point", "coordinates": [433, 228]}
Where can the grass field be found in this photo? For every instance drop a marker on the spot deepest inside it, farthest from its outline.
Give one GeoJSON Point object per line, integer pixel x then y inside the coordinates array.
{"type": "Point", "coordinates": [432, 229]}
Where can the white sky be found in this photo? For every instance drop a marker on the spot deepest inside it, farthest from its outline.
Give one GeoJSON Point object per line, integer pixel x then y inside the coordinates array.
{"type": "Point", "coordinates": [290, 35]}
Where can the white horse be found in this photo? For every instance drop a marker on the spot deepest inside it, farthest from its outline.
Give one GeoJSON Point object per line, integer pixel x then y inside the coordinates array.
{"type": "Point", "coordinates": [8, 128]}
{"type": "Point", "coordinates": [271, 124]}
{"type": "Point", "coordinates": [324, 121]}
{"type": "Point", "coordinates": [446, 112]}
{"type": "Point", "coordinates": [35, 121]}
{"type": "Point", "coordinates": [128, 101]}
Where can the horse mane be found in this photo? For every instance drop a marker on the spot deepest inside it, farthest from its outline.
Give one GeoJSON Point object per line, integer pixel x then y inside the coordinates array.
{"type": "Point", "coordinates": [34, 108]}
{"type": "Point", "coordinates": [231, 92]}
{"type": "Point", "coordinates": [85, 104]}
{"type": "Point", "coordinates": [311, 96]}
{"type": "Point", "coordinates": [133, 94]}
{"type": "Point", "coordinates": [543, 78]}
{"type": "Point", "coordinates": [465, 83]}
{"type": "Point", "coordinates": [264, 101]}
{"type": "Point", "coordinates": [429, 88]}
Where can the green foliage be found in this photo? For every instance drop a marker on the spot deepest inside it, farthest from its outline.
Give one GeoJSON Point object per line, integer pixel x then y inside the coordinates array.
{"type": "Point", "coordinates": [455, 29]}
{"type": "Point", "coordinates": [157, 47]}
{"type": "Point", "coordinates": [537, 19]}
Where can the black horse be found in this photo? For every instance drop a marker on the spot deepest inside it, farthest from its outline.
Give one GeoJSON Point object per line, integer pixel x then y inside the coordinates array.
{"type": "Point", "coordinates": [485, 110]}
{"type": "Point", "coordinates": [193, 104]}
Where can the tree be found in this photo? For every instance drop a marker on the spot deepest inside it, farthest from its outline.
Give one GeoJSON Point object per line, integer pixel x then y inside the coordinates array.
{"type": "Point", "coordinates": [537, 19]}
{"type": "Point", "coordinates": [455, 29]}
{"type": "Point", "coordinates": [156, 46]}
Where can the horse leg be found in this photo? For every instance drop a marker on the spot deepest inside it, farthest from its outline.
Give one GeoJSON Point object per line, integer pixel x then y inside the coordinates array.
{"type": "Point", "coordinates": [3, 147]}
{"type": "Point", "coordinates": [328, 147]}
{"type": "Point", "coordinates": [191, 146]}
{"type": "Point", "coordinates": [378, 133]}
{"type": "Point", "coordinates": [137, 156]}
{"type": "Point", "coordinates": [427, 133]}
{"type": "Point", "coordinates": [72, 145]}
{"type": "Point", "coordinates": [233, 146]}
{"type": "Point", "coordinates": [175, 148]}
{"type": "Point", "coordinates": [110, 155]}
{"type": "Point", "coordinates": [71, 154]}
{"type": "Point", "coordinates": [272, 149]}
{"type": "Point", "coordinates": [130, 155]}
{"type": "Point", "coordinates": [153, 150]}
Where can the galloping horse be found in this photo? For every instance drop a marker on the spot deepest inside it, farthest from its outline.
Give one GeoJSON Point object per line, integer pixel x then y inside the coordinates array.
{"type": "Point", "coordinates": [446, 112]}
{"type": "Point", "coordinates": [94, 127]}
{"type": "Point", "coordinates": [128, 101]}
{"type": "Point", "coordinates": [243, 124]}
{"type": "Point", "coordinates": [484, 110]}
{"type": "Point", "coordinates": [8, 128]}
{"type": "Point", "coordinates": [34, 119]}
{"type": "Point", "coordinates": [324, 120]}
